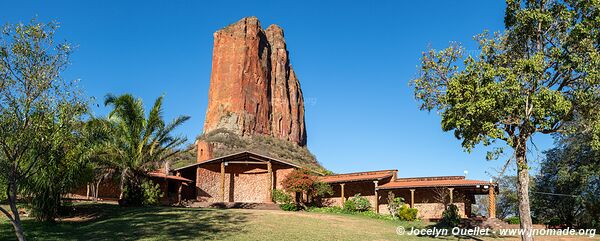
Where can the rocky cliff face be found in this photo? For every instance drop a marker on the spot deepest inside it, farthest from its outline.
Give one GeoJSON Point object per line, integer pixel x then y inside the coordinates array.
{"type": "Point", "coordinates": [253, 88]}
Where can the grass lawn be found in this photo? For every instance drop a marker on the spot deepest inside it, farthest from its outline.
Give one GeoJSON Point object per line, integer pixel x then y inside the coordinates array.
{"type": "Point", "coordinates": [107, 221]}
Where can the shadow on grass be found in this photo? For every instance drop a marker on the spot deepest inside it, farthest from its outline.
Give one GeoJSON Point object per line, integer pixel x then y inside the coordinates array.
{"type": "Point", "coordinates": [133, 223]}
{"type": "Point", "coordinates": [448, 235]}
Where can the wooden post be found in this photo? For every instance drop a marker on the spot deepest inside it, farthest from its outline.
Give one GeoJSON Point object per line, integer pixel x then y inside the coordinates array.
{"type": "Point", "coordinates": [343, 196]}
{"type": "Point", "coordinates": [376, 197]}
{"type": "Point", "coordinates": [222, 181]}
{"type": "Point", "coordinates": [412, 198]}
{"type": "Point", "coordinates": [179, 187]}
{"type": "Point", "coordinates": [451, 190]}
{"type": "Point", "coordinates": [270, 182]}
{"type": "Point", "coordinates": [492, 204]}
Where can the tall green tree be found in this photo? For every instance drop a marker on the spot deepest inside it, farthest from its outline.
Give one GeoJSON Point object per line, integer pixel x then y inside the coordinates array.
{"type": "Point", "coordinates": [530, 78]}
{"type": "Point", "coordinates": [70, 163]}
{"type": "Point", "coordinates": [567, 190]}
{"type": "Point", "coordinates": [36, 106]}
{"type": "Point", "coordinates": [139, 144]}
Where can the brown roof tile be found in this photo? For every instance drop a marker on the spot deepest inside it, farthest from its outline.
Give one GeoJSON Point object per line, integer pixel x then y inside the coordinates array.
{"type": "Point", "coordinates": [433, 183]}
{"type": "Point", "coordinates": [357, 176]}
{"type": "Point", "coordinates": [163, 175]}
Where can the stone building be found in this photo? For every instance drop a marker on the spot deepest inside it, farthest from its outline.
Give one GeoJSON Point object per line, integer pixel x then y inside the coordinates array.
{"type": "Point", "coordinates": [248, 177]}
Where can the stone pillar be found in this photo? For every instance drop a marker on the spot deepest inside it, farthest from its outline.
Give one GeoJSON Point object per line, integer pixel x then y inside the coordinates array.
{"type": "Point", "coordinates": [376, 197]}
{"type": "Point", "coordinates": [269, 182]}
{"type": "Point", "coordinates": [451, 190]}
{"type": "Point", "coordinates": [342, 194]}
{"type": "Point", "coordinates": [222, 181]}
{"type": "Point", "coordinates": [492, 204]}
{"type": "Point", "coordinates": [412, 198]}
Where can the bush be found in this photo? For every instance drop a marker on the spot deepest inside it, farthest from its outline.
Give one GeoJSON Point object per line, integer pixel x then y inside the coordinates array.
{"type": "Point", "coordinates": [513, 220]}
{"type": "Point", "coordinates": [289, 207]}
{"type": "Point", "coordinates": [357, 204]}
{"type": "Point", "coordinates": [152, 193]}
{"type": "Point", "coordinates": [405, 213]}
{"type": "Point", "coordinates": [281, 197]}
{"type": "Point", "coordinates": [394, 203]}
{"type": "Point", "coordinates": [299, 180]}
{"type": "Point", "coordinates": [450, 217]}
{"type": "Point", "coordinates": [322, 188]}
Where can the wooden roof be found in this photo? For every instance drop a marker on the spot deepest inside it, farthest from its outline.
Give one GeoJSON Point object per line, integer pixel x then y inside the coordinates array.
{"type": "Point", "coordinates": [433, 182]}
{"type": "Point", "coordinates": [163, 175]}
{"type": "Point", "coordinates": [358, 176]}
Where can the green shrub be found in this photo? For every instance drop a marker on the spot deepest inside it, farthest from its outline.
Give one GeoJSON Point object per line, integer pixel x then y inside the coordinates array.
{"type": "Point", "coordinates": [513, 220]}
{"type": "Point", "coordinates": [322, 188]}
{"type": "Point", "coordinates": [281, 197]}
{"type": "Point", "coordinates": [152, 193]}
{"type": "Point", "coordinates": [394, 203]}
{"type": "Point", "coordinates": [357, 204]}
{"type": "Point", "coordinates": [450, 217]}
{"type": "Point", "coordinates": [289, 207]}
{"type": "Point", "coordinates": [405, 213]}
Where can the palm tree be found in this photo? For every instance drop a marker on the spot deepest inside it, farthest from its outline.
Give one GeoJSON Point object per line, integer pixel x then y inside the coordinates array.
{"type": "Point", "coordinates": [139, 144]}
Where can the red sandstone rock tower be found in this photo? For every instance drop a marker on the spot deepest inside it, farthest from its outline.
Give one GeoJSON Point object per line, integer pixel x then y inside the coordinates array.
{"type": "Point", "coordinates": [253, 88]}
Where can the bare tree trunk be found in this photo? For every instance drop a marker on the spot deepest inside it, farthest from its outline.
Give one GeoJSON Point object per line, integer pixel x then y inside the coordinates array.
{"type": "Point", "coordinates": [97, 190]}
{"type": "Point", "coordinates": [11, 193]}
{"type": "Point", "coordinates": [523, 190]}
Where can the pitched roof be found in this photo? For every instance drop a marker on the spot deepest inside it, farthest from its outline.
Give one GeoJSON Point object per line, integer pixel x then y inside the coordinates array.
{"type": "Point", "coordinates": [163, 175]}
{"type": "Point", "coordinates": [241, 155]}
{"type": "Point", "coordinates": [435, 182]}
{"type": "Point", "coordinates": [358, 176]}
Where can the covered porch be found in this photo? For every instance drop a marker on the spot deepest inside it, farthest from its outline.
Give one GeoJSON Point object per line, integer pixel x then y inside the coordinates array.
{"type": "Point", "coordinates": [349, 184]}
{"type": "Point", "coordinates": [430, 195]}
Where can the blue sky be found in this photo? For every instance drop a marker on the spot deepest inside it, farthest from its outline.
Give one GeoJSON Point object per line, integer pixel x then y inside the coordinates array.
{"type": "Point", "coordinates": [354, 62]}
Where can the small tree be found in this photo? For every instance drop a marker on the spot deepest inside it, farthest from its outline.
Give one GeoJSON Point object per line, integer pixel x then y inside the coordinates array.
{"type": "Point", "coordinates": [36, 106]}
{"type": "Point", "coordinates": [303, 181]}
{"type": "Point", "coordinates": [534, 77]}
{"type": "Point", "coordinates": [394, 203]}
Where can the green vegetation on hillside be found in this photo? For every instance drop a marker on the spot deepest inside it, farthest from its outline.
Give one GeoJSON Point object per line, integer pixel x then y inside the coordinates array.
{"type": "Point", "coordinates": [226, 142]}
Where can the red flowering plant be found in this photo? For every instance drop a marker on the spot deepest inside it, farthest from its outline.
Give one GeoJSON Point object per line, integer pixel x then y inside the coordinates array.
{"type": "Point", "coordinates": [303, 181]}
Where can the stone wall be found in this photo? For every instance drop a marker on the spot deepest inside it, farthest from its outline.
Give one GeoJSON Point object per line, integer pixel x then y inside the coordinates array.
{"type": "Point", "coordinates": [243, 182]}
{"type": "Point", "coordinates": [427, 202]}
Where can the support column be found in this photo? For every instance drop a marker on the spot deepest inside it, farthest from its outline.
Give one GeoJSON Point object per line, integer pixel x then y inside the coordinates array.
{"type": "Point", "coordinates": [179, 187]}
{"type": "Point", "coordinates": [412, 198]}
{"type": "Point", "coordinates": [269, 182]}
{"type": "Point", "coordinates": [376, 197]}
{"type": "Point", "coordinates": [451, 190]}
{"type": "Point", "coordinates": [222, 181]}
{"type": "Point", "coordinates": [342, 194]}
{"type": "Point", "coordinates": [492, 204]}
